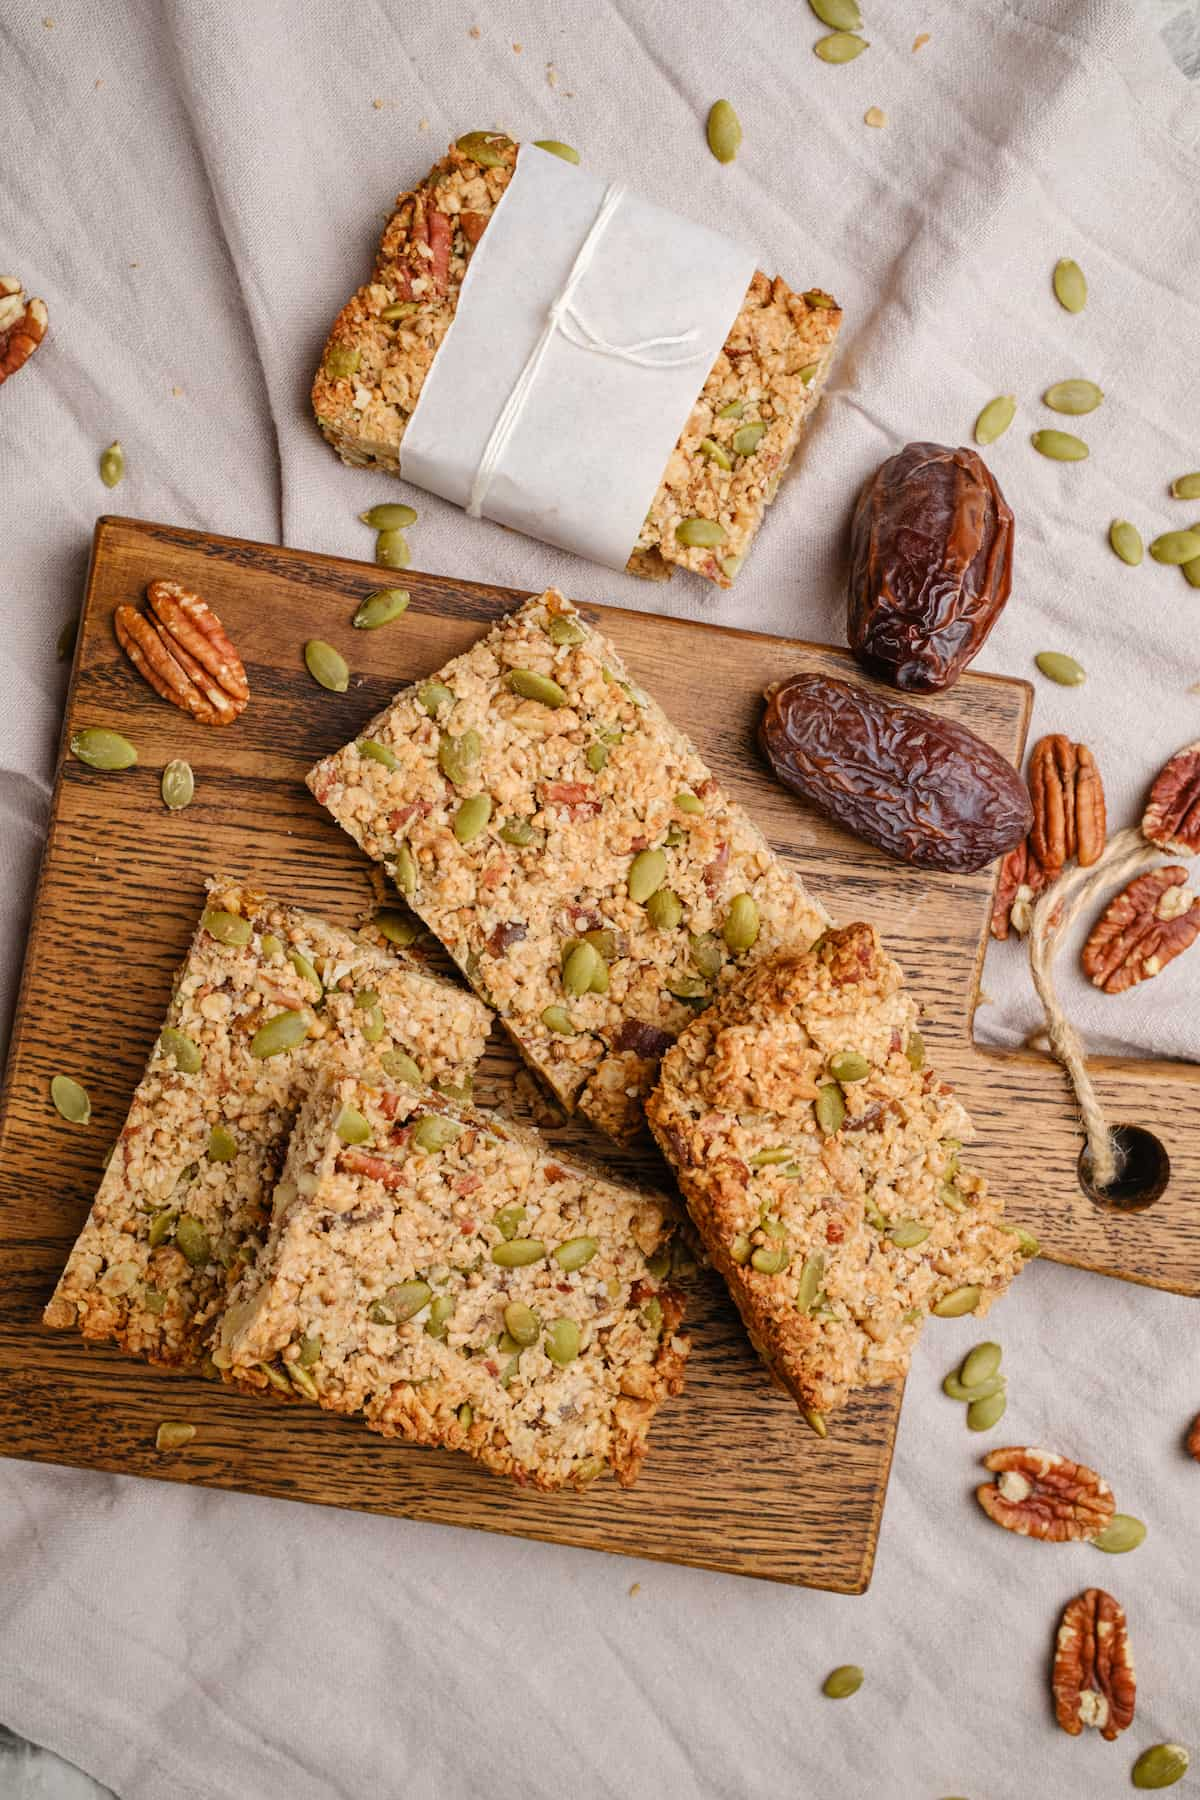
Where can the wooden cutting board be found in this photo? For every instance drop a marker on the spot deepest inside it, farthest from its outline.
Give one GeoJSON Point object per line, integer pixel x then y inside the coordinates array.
{"type": "Point", "coordinates": [734, 1481]}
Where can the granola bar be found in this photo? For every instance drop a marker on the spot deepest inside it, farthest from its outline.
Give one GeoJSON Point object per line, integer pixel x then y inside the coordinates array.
{"type": "Point", "coordinates": [836, 1209]}
{"type": "Point", "coordinates": [438, 1271]}
{"type": "Point", "coordinates": [540, 802]}
{"type": "Point", "coordinates": [187, 1192]}
{"type": "Point", "coordinates": [770, 371]}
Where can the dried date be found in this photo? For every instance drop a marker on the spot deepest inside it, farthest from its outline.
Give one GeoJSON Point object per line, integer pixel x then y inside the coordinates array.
{"type": "Point", "coordinates": [923, 788]}
{"type": "Point", "coordinates": [930, 566]}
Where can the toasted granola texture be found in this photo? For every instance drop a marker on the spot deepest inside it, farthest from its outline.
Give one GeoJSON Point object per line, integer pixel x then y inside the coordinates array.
{"type": "Point", "coordinates": [186, 1195]}
{"type": "Point", "coordinates": [578, 789]}
{"type": "Point", "coordinates": [771, 370]}
{"type": "Point", "coordinates": [800, 1200]}
{"type": "Point", "coordinates": [412, 1238]}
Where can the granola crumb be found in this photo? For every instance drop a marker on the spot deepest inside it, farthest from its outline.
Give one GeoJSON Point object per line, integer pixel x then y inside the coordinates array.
{"type": "Point", "coordinates": [176, 393]}
{"type": "Point", "coordinates": [49, 24]}
{"type": "Point", "coordinates": [551, 75]}
{"type": "Point", "coordinates": [99, 81]}
{"type": "Point", "coordinates": [517, 49]}
{"type": "Point", "coordinates": [875, 116]}
{"type": "Point", "coordinates": [475, 32]}
{"type": "Point", "coordinates": [635, 1590]}
{"type": "Point", "coordinates": [378, 105]}
{"type": "Point", "coordinates": [422, 124]}
{"type": "Point", "coordinates": [920, 41]}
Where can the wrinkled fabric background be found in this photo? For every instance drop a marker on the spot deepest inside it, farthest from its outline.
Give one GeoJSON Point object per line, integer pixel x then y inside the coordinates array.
{"type": "Point", "coordinates": [194, 188]}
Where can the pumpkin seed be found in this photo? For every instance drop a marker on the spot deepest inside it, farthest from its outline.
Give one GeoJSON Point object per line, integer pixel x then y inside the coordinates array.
{"type": "Point", "coordinates": [270, 947]}
{"type": "Point", "coordinates": [173, 1436]}
{"type": "Point", "coordinates": [1161, 1766]}
{"type": "Point", "coordinates": [575, 1253]}
{"type": "Point", "coordinates": [161, 1226]}
{"type": "Point", "coordinates": [1126, 540]}
{"type": "Point", "coordinates": [1123, 1532]}
{"type": "Point", "coordinates": [1059, 446]}
{"type": "Point", "coordinates": [980, 1364]}
{"type": "Point", "coordinates": [716, 453]}
{"type": "Point", "coordinates": [740, 929]}
{"type": "Point", "coordinates": [407, 1299]}
{"type": "Point", "coordinates": [532, 686]}
{"type": "Point", "coordinates": [557, 1018]}
{"type": "Point", "coordinates": [840, 47]}
{"type": "Point", "coordinates": [373, 751]}
{"type": "Point", "coordinates": [1061, 668]}
{"type": "Point", "coordinates": [914, 1050]}
{"type": "Point", "coordinates": [276, 1377]}
{"type": "Point", "coordinates": [1186, 487]}
{"type": "Point", "coordinates": [484, 147]}
{"type": "Point", "coordinates": [706, 952]}
{"type": "Point", "coordinates": [472, 817]}
{"type": "Point", "coordinates": [562, 1342]}
{"type": "Point", "coordinates": [518, 1253]}
{"type": "Point", "coordinates": [401, 1067]}
{"type": "Point", "coordinates": [508, 1220]}
{"type": "Point", "coordinates": [700, 533]}
{"type": "Point", "coordinates": [770, 1158]}
{"type": "Point", "coordinates": [192, 1239]}
{"type": "Point", "coordinates": [310, 1352]}
{"type": "Point", "coordinates": [102, 749]}
{"type": "Point", "coordinates": [222, 1145]}
{"type": "Point", "coordinates": [959, 1301]}
{"type": "Point", "coordinates": [811, 1277]}
{"type": "Point", "coordinates": [597, 756]}
{"type": "Point", "coordinates": [579, 968]}
{"type": "Point", "coordinates": [327, 668]}
{"type": "Point", "coordinates": [380, 608]}
{"type": "Point", "coordinates": [739, 1249]}
{"type": "Point", "coordinates": [815, 1420]}
{"type": "Point", "coordinates": [562, 629]}
{"type": "Point", "coordinates": [664, 909]}
{"type": "Point", "coordinates": [872, 1214]}
{"type": "Point", "coordinates": [181, 1048]}
{"type": "Point", "coordinates": [849, 1066]}
{"type": "Point", "coordinates": [843, 1682]}
{"type": "Point", "coordinates": [1027, 1244]}
{"type": "Point", "coordinates": [807, 373]}
{"type": "Point", "coordinates": [1073, 397]}
{"type": "Point", "coordinates": [466, 1415]}
{"type": "Point", "coordinates": [303, 1382]}
{"type": "Point", "coordinates": [646, 873]}
{"type": "Point", "coordinates": [1070, 287]}
{"type": "Point", "coordinates": [1191, 571]}
{"type": "Point", "coordinates": [906, 1234]}
{"type": "Point", "coordinates": [770, 1259]}
{"type": "Point", "coordinates": [307, 973]}
{"type": "Point", "coordinates": [830, 1108]}
{"type": "Point", "coordinates": [64, 649]}
{"type": "Point", "coordinates": [987, 1411]}
{"type": "Point", "coordinates": [652, 1314]}
{"type": "Point", "coordinates": [390, 515]}
{"type": "Point", "coordinates": [995, 418]}
{"type": "Point", "coordinates": [440, 1314]}
{"type": "Point", "coordinates": [956, 1388]}
{"type": "Point", "coordinates": [433, 1132]}
{"type": "Point", "coordinates": [404, 871]}
{"type": "Point", "coordinates": [283, 1032]}
{"type": "Point", "coordinates": [521, 1323]}
{"type": "Point", "coordinates": [178, 785]}
{"type": "Point", "coordinates": [392, 551]}
{"type": "Point", "coordinates": [724, 131]}
{"type": "Point", "coordinates": [687, 802]}
{"type": "Point", "coordinates": [458, 757]}
{"type": "Point", "coordinates": [399, 309]}
{"type": "Point", "coordinates": [747, 438]}
{"type": "Point", "coordinates": [949, 1196]}
{"type": "Point", "coordinates": [228, 928]}
{"type": "Point", "coordinates": [112, 465]}
{"type": "Point", "coordinates": [734, 410]}
{"type": "Point", "coordinates": [1176, 547]}
{"type": "Point", "coordinates": [70, 1100]}
{"type": "Point", "coordinates": [839, 15]}
{"type": "Point", "coordinates": [431, 695]}
{"type": "Point", "coordinates": [555, 148]}
{"type": "Point", "coordinates": [341, 362]}
{"type": "Point", "coordinates": [351, 1127]}
{"type": "Point", "coordinates": [518, 832]}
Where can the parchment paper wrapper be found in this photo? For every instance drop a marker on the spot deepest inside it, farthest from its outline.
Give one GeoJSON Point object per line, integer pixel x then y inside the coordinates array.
{"type": "Point", "coordinates": [588, 449]}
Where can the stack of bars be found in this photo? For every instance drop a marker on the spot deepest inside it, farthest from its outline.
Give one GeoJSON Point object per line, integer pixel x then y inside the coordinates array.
{"type": "Point", "coordinates": [304, 1200]}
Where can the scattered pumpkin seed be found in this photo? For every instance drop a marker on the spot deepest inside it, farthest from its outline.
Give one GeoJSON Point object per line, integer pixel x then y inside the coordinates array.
{"type": "Point", "coordinates": [830, 1108]}
{"type": "Point", "coordinates": [390, 515]}
{"type": "Point", "coordinates": [351, 1126]}
{"type": "Point", "coordinates": [341, 362]}
{"type": "Point", "coordinates": [327, 668]}
{"type": "Point", "coordinates": [664, 909]}
{"type": "Point", "coordinates": [715, 453]}
{"type": "Point", "coordinates": [915, 1051]}
{"type": "Point", "coordinates": [222, 1145]}
{"type": "Point", "coordinates": [70, 1100]}
{"type": "Point", "coordinates": [1070, 287]}
{"type": "Point", "coordinates": [700, 534]}
{"type": "Point", "coordinates": [1073, 397]}
{"type": "Point", "coordinates": [980, 1364]}
{"type": "Point", "coordinates": [64, 649]}
{"type": "Point", "coordinates": [811, 1277]}
{"type": "Point", "coordinates": [532, 686]}
{"type": "Point", "coordinates": [392, 551]}
{"type": "Point", "coordinates": [283, 1032]}
{"type": "Point", "coordinates": [172, 1435]}
{"type": "Point", "coordinates": [1061, 668]}
{"type": "Point", "coordinates": [840, 47]}
{"type": "Point", "coordinates": [1126, 541]}
{"type": "Point", "coordinates": [399, 309]}
{"type": "Point", "coordinates": [432, 695]}
{"type": "Point", "coordinates": [956, 1388]}
{"type": "Point", "coordinates": [957, 1302]}
{"type": "Point", "coordinates": [192, 1239]}
{"type": "Point", "coordinates": [380, 608]}
{"type": "Point", "coordinates": [458, 757]}
{"type": "Point", "coordinates": [747, 438]}
{"type": "Point", "coordinates": [646, 873]}
{"type": "Point", "coordinates": [843, 1682]}
{"type": "Point", "coordinates": [1176, 547]}
{"type": "Point", "coordinates": [566, 152]}
{"type": "Point", "coordinates": [472, 817]}
{"type": "Point", "coordinates": [112, 465]}
{"type": "Point", "coordinates": [815, 1420]}
{"type": "Point", "coordinates": [987, 1411]}
{"type": "Point", "coordinates": [1161, 1766]}
{"type": "Point", "coordinates": [484, 147]}
{"type": "Point", "coordinates": [740, 929]}
{"type": "Point", "coordinates": [518, 1253]}
{"type": "Point", "coordinates": [433, 1132]}
{"type": "Point", "coordinates": [178, 785]}
{"type": "Point", "coordinates": [906, 1234]}
{"type": "Point", "coordinates": [100, 748]}
{"type": "Point", "coordinates": [724, 131]}
{"type": "Point", "coordinates": [995, 418]}
{"type": "Point", "coordinates": [1186, 487]}
{"type": "Point", "coordinates": [1123, 1532]}
{"type": "Point", "coordinates": [838, 15]}
{"type": "Point", "coordinates": [1191, 571]}
{"type": "Point", "coordinates": [1059, 446]}
{"type": "Point", "coordinates": [227, 927]}
{"type": "Point", "coordinates": [851, 1065]}
{"type": "Point", "coordinates": [875, 117]}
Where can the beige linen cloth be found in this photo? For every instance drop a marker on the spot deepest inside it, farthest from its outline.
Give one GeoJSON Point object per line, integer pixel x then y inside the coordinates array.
{"type": "Point", "coordinates": [194, 188]}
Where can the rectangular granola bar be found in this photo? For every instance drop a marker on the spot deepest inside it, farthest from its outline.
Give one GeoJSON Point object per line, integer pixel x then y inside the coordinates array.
{"type": "Point", "coordinates": [819, 1159]}
{"type": "Point", "coordinates": [266, 993]}
{"type": "Point", "coordinates": [570, 849]}
{"type": "Point", "coordinates": [439, 1272]}
{"type": "Point", "coordinates": [724, 468]}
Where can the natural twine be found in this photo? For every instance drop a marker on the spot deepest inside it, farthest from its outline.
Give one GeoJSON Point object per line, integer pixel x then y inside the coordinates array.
{"type": "Point", "coordinates": [1056, 910]}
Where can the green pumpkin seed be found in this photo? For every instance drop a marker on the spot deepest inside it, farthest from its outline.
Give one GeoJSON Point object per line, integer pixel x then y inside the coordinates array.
{"type": "Point", "coordinates": [283, 1032]}
{"type": "Point", "coordinates": [724, 131]}
{"type": "Point", "coordinates": [557, 1018]}
{"type": "Point", "coordinates": [771, 1157]}
{"type": "Point", "coordinates": [181, 1048]}
{"type": "Point", "coordinates": [740, 929]}
{"type": "Point", "coordinates": [307, 973]}
{"type": "Point", "coordinates": [747, 438]}
{"type": "Point", "coordinates": [1176, 547]}
{"type": "Point", "coordinates": [652, 1314]}
{"type": "Point", "coordinates": [706, 953]}
{"type": "Point", "coordinates": [560, 628]}
{"type": "Point", "coordinates": [987, 1411]}
{"type": "Point", "coordinates": [811, 1277]}
{"type": "Point", "coordinates": [576, 1253]}
{"type": "Point", "coordinates": [849, 1066]}
{"type": "Point", "coordinates": [716, 453]}
{"type": "Point", "coordinates": [906, 1234]}
{"type": "Point", "coordinates": [456, 1090]}
{"type": "Point", "coordinates": [374, 751]}
{"type": "Point", "coordinates": [521, 1323]}
{"type": "Point", "coordinates": [433, 1132]}
{"type": "Point", "coordinates": [70, 1100]}
{"type": "Point", "coordinates": [407, 1299]}
{"type": "Point", "coordinates": [830, 1108]}
{"type": "Point", "coordinates": [192, 1239]}
{"type": "Point", "coordinates": [310, 1352]}
{"type": "Point", "coordinates": [957, 1388]}
{"type": "Point", "coordinates": [380, 608]}
{"type": "Point", "coordinates": [401, 1067]}
{"type": "Point", "coordinates": [519, 832]}
{"type": "Point", "coordinates": [466, 1415]}
{"type": "Point", "coordinates": [664, 909]}
{"type": "Point", "coordinates": [840, 47]}
{"type": "Point", "coordinates": [739, 1249]}
{"type": "Point", "coordinates": [1186, 487]}
{"type": "Point", "coordinates": [518, 1253]}
{"type": "Point", "coordinates": [103, 749]}
{"type": "Point", "coordinates": [399, 309]}
{"type": "Point", "coordinates": [839, 15]}
{"type": "Point", "coordinates": [597, 756]}
{"type": "Point", "coordinates": [807, 373]}
{"type": "Point", "coordinates": [959, 1301]}
{"type": "Point", "coordinates": [112, 465]}
{"type": "Point", "coordinates": [390, 515]}
{"type": "Point", "coordinates": [161, 1226]}
{"type": "Point", "coordinates": [1161, 1766]}
{"type": "Point", "coordinates": [1123, 1532]}
{"type": "Point", "coordinates": [341, 362]}
{"type": "Point", "coordinates": [440, 1314]}
{"type": "Point", "coordinates": [1027, 1244]}
{"type": "Point", "coordinates": [770, 1259]}
{"type": "Point", "coordinates": [995, 418]}
{"type": "Point", "coordinates": [555, 148]}
{"type": "Point", "coordinates": [271, 948]}
{"type": "Point", "coordinates": [327, 668]}
{"type": "Point", "coordinates": [734, 410]}
{"type": "Point", "coordinates": [687, 802]}
{"type": "Point", "coordinates": [508, 1220]}
{"type": "Point", "coordinates": [173, 1436]}
{"type": "Point", "coordinates": [1061, 668]}
{"type": "Point", "coordinates": [1126, 540]}
{"type": "Point", "coordinates": [178, 785]}
{"type": "Point", "coordinates": [980, 1364]}
{"type": "Point", "coordinates": [484, 147]}
{"type": "Point", "coordinates": [843, 1682]}
{"type": "Point", "coordinates": [276, 1377]}
{"type": "Point", "coordinates": [228, 928]}
{"type": "Point", "coordinates": [222, 1145]}
{"type": "Point", "coordinates": [700, 534]}
{"type": "Point", "coordinates": [432, 695]}
{"type": "Point", "coordinates": [872, 1214]}
{"type": "Point", "coordinates": [351, 1127]}
{"type": "Point", "coordinates": [472, 817]}
{"type": "Point", "coordinates": [646, 873]}
{"type": "Point", "coordinates": [392, 551]}
{"type": "Point", "coordinates": [64, 649]}
{"type": "Point", "coordinates": [1070, 287]}
{"type": "Point", "coordinates": [579, 968]}
{"type": "Point", "coordinates": [1059, 446]}
{"type": "Point", "coordinates": [458, 757]}
{"type": "Point", "coordinates": [532, 686]}
{"type": "Point", "coordinates": [1073, 397]}
{"type": "Point", "coordinates": [303, 1382]}
{"type": "Point", "coordinates": [1191, 572]}
{"type": "Point", "coordinates": [404, 871]}
{"type": "Point", "coordinates": [562, 1341]}
{"type": "Point", "coordinates": [914, 1050]}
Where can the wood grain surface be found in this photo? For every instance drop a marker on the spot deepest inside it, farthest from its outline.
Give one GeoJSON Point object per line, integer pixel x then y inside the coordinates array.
{"type": "Point", "coordinates": [733, 1481]}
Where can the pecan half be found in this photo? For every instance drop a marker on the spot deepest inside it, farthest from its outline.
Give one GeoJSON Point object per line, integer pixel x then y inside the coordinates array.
{"type": "Point", "coordinates": [1094, 1680]}
{"type": "Point", "coordinates": [184, 654]}
{"type": "Point", "coordinates": [1021, 880]}
{"type": "Point", "coordinates": [1043, 1495]}
{"type": "Point", "coordinates": [1145, 927]}
{"type": "Point", "coordinates": [1193, 1438]}
{"type": "Point", "coordinates": [193, 624]}
{"type": "Point", "coordinates": [22, 326]}
{"type": "Point", "coordinates": [1068, 805]}
{"type": "Point", "coordinates": [1172, 816]}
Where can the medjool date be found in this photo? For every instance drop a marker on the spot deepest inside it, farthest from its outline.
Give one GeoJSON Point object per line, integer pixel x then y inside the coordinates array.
{"type": "Point", "coordinates": [931, 566]}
